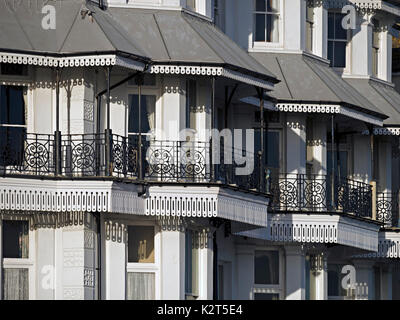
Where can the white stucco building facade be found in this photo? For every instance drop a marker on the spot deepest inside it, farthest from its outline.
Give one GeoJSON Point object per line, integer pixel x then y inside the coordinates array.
{"type": "Point", "coordinates": [111, 186]}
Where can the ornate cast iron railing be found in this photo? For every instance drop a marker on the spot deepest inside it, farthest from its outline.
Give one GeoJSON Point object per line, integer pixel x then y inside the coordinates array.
{"type": "Point", "coordinates": [85, 155]}
{"type": "Point", "coordinates": [319, 193]}
{"type": "Point", "coordinates": [388, 208]}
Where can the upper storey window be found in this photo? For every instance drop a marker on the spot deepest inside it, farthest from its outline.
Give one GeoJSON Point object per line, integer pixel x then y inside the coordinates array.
{"type": "Point", "coordinates": [266, 20]}
{"type": "Point", "coordinates": [219, 14]}
{"type": "Point", "coordinates": [337, 40]}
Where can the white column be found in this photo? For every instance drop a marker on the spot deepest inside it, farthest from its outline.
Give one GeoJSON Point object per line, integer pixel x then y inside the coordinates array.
{"type": "Point", "coordinates": [206, 270]}
{"type": "Point", "coordinates": [319, 281]}
{"type": "Point", "coordinates": [45, 264]}
{"type": "Point", "coordinates": [361, 47]}
{"type": "Point", "coordinates": [365, 274]}
{"type": "Point", "coordinates": [319, 147]}
{"type": "Point", "coordinates": [296, 143]}
{"type": "Point", "coordinates": [245, 272]}
{"type": "Point", "coordinates": [386, 56]}
{"type": "Point", "coordinates": [321, 31]}
{"type": "Point", "coordinates": [115, 261]}
{"type": "Point", "coordinates": [294, 30]}
{"type": "Point", "coordinates": [172, 265]}
{"type": "Point", "coordinates": [79, 263]}
{"type": "Point", "coordinates": [295, 273]}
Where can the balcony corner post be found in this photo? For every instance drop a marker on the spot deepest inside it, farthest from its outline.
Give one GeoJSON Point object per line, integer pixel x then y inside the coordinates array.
{"type": "Point", "coordinates": [57, 133]}
{"type": "Point", "coordinates": [212, 146]}
{"type": "Point", "coordinates": [108, 131]}
{"type": "Point", "coordinates": [374, 200]}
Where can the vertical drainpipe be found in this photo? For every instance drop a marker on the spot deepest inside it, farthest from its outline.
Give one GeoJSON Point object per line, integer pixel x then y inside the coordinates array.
{"type": "Point", "coordinates": [108, 131]}
{"type": "Point", "coordinates": [57, 133]}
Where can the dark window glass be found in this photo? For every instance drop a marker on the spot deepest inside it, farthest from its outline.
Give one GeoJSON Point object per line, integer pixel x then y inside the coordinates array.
{"type": "Point", "coordinates": [12, 106]}
{"type": "Point", "coordinates": [266, 296]}
{"type": "Point", "coordinates": [141, 244]}
{"type": "Point", "coordinates": [266, 267]}
{"type": "Point", "coordinates": [260, 5]}
{"type": "Point", "coordinates": [331, 25]}
{"type": "Point", "coordinates": [337, 40]}
{"type": "Point", "coordinates": [191, 104]}
{"type": "Point", "coordinates": [272, 140]}
{"type": "Point", "coordinates": [15, 239]}
{"type": "Point", "coordinates": [260, 27]}
{"type": "Point", "coordinates": [147, 115]}
{"type": "Point", "coordinates": [340, 32]}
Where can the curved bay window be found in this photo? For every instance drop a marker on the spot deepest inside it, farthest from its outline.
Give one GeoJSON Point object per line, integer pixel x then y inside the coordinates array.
{"type": "Point", "coordinates": [12, 125]}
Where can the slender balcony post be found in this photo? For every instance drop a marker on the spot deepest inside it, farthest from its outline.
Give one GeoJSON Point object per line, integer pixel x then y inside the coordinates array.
{"type": "Point", "coordinates": [333, 162]}
{"type": "Point", "coordinates": [373, 174]}
{"type": "Point", "coordinates": [212, 169]}
{"type": "Point", "coordinates": [139, 83]}
{"type": "Point", "coordinates": [262, 142]}
{"type": "Point", "coordinates": [108, 131]}
{"type": "Point", "coordinates": [57, 133]}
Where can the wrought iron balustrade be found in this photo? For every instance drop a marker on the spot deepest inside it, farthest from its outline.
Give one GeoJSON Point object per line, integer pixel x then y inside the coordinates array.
{"type": "Point", "coordinates": [387, 208]}
{"type": "Point", "coordinates": [85, 155]}
{"type": "Point", "coordinates": [320, 193]}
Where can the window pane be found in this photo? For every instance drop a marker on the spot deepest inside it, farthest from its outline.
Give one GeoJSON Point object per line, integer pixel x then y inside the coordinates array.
{"type": "Point", "coordinates": [273, 149]}
{"type": "Point", "coordinates": [148, 113]}
{"type": "Point", "coordinates": [272, 28]}
{"type": "Point", "coordinates": [260, 27]}
{"type": "Point", "coordinates": [11, 145]}
{"type": "Point", "coordinates": [340, 54]}
{"type": "Point", "coordinates": [331, 25]}
{"type": "Point", "coordinates": [273, 6]}
{"type": "Point", "coordinates": [340, 33]}
{"type": "Point", "coordinates": [260, 5]}
{"type": "Point", "coordinates": [191, 106]}
{"type": "Point", "coordinates": [141, 244]}
{"type": "Point", "coordinates": [12, 105]}
{"type": "Point", "coordinates": [266, 296]}
{"type": "Point", "coordinates": [266, 267]}
{"type": "Point", "coordinates": [141, 286]}
{"type": "Point", "coordinates": [330, 52]}
{"type": "Point", "coordinates": [16, 284]}
{"type": "Point", "coordinates": [15, 239]}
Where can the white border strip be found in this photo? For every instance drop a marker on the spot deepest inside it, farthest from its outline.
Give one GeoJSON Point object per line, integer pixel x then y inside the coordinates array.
{"type": "Point", "coordinates": [211, 71]}
{"type": "Point", "coordinates": [315, 108]}
{"type": "Point", "coordinates": [76, 61]}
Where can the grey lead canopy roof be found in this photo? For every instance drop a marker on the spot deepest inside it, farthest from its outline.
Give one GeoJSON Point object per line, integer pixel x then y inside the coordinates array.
{"type": "Point", "coordinates": [385, 97]}
{"type": "Point", "coordinates": [158, 36]}
{"type": "Point", "coordinates": [309, 80]}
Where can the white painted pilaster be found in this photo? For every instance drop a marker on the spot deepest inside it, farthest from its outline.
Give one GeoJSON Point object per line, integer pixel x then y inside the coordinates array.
{"type": "Point", "coordinates": [206, 272]}
{"type": "Point", "coordinates": [361, 47]}
{"type": "Point", "coordinates": [295, 273]}
{"type": "Point", "coordinates": [321, 31]}
{"type": "Point", "coordinates": [245, 272]}
{"type": "Point", "coordinates": [365, 274]}
{"type": "Point", "coordinates": [296, 143]}
{"type": "Point", "coordinates": [172, 265]}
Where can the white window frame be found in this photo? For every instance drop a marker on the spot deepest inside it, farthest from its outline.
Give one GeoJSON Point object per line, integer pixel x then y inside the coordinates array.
{"type": "Point", "coordinates": [313, 28]}
{"type": "Point", "coordinates": [347, 67]}
{"type": "Point", "coordinates": [25, 263]}
{"type": "Point", "coordinates": [269, 288]}
{"type": "Point", "coordinates": [146, 91]}
{"type": "Point", "coordinates": [134, 267]}
{"type": "Point", "coordinates": [378, 74]}
{"type": "Point", "coordinates": [262, 45]}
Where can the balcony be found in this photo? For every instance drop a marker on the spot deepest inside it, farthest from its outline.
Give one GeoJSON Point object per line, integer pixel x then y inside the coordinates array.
{"type": "Point", "coordinates": [90, 156]}
{"type": "Point", "coordinates": [300, 193]}
{"type": "Point", "coordinates": [388, 208]}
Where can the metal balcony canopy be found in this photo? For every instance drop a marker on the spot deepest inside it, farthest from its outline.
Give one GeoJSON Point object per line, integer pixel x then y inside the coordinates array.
{"type": "Point", "coordinates": [383, 96]}
{"type": "Point", "coordinates": [309, 82]}
{"type": "Point", "coordinates": [172, 41]}
{"type": "Point", "coordinates": [24, 40]}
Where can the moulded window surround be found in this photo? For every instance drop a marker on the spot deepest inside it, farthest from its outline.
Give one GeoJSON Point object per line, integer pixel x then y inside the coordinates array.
{"type": "Point", "coordinates": [338, 39]}
{"type": "Point", "coordinates": [143, 277]}
{"type": "Point", "coordinates": [19, 261]}
{"type": "Point", "coordinates": [268, 274]}
{"type": "Point", "coordinates": [267, 24]}
{"type": "Point", "coordinates": [376, 49]}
